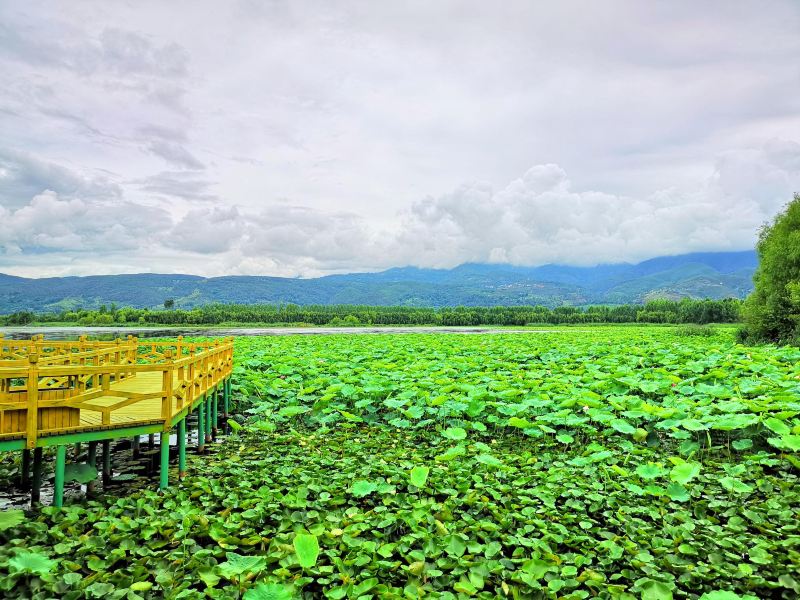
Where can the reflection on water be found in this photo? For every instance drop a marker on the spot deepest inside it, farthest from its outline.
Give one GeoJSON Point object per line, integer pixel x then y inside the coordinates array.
{"type": "Point", "coordinates": [110, 333]}
{"type": "Point", "coordinates": [96, 333]}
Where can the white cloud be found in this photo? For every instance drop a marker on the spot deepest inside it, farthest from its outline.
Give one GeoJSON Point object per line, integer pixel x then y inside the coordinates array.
{"type": "Point", "coordinates": [535, 219]}
{"type": "Point", "coordinates": [315, 137]}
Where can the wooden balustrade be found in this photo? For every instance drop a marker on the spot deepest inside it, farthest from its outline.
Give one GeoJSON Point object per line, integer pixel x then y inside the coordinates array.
{"type": "Point", "coordinates": [52, 387]}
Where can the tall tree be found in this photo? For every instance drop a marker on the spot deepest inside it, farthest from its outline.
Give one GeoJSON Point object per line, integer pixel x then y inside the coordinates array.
{"type": "Point", "coordinates": [772, 311]}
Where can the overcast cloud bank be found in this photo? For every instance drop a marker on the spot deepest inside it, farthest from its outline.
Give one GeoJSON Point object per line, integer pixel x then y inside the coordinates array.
{"type": "Point", "coordinates": [305, 138]}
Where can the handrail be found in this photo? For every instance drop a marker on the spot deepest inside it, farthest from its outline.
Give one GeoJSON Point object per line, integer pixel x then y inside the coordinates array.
{"type": "Point", "coordinates": [84, 371]}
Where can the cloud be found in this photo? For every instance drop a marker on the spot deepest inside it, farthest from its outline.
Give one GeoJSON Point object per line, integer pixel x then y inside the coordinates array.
{"type": "Point", "coordinates": [320, 239]}
{"type": "Point", "coordinates": [314, 137]}
{"type": "Point", "coordinates": [179, 184]}
{"type": "Point", "coordinates": [175, 154]}
{"type": "Point", "coordinates": [51, 224]}
{"type": "Point", "coordinates": [539, 217]}
{"type": "Point", "coordinates": [23, 175]}
{"type": "Point", "coordinates": [207, 230]}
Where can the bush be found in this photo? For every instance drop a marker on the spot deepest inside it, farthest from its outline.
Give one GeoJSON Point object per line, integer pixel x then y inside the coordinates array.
{"type": "Point", "coordinates": [695, 331]}
{"type": "Point", "coordinates": [772, 311]}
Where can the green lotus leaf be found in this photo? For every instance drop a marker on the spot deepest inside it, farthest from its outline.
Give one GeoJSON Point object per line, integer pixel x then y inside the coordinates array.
{"type": "Point", "coordinates": [31, 562]}
{"type": "Point", "coordinates": [649, 471]}
{"type": "Point", "coordinates": [732, 484]}
{"type": "Point", "coordinates": [418, 476]}
{"type": "Point", "coordinates": [454, 433]}
{"type": "Point", "coordinates": [11, 518]}
{"type": "Point", "coordinates": [363, 488]}
{"type": "Point", "coordinates": [306, 547]}
{"type": "Point", "coordinates": [270, 591]}
{"type": "Point", "coordinates": [685, 472]}
{"type": "Point", "coordinates": [237, 564]}
{"type": "Point", "coordinates": [80, 472]}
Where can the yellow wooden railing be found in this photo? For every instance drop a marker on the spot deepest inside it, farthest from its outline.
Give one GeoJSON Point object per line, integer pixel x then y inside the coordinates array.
{"type": "Point", "coordinates": [44, 384]}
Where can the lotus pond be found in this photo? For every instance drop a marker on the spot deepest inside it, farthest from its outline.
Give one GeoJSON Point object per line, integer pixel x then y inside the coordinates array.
{"type": "Point", "coordinates": [611, 463]}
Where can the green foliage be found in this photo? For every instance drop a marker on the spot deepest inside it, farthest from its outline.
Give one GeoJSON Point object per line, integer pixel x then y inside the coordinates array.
{"type": "Point", "coordinates": [655, 311]}
{"type": "Point", "coordinates": [10, 518]}
{"type": "Point", "coordinates": [695, 331]}
{"type": "Point", "coordinates": [269, 591]}
{"type": "Point", "coordinates": [772, 311]}
{"type": "Point", "coordinates": [306, 547]}
{"type": "Point", "coordinates": [237, 565]}
{"type": "Point", "coordinates": [611, 463]}
{"type": "Point", "coordinates": [418, 476]}
{"type": "Point", "coordinates": [80, 472]}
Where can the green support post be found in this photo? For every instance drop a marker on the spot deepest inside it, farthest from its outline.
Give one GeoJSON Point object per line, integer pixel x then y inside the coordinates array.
{"type": "Point", "coordinates": [61, 463]}
{"type": "Point", "coordinates": [201, 428]}
{"type": "Point", "coordinates": [208, 418]}
{"type": "Point", "coordinates": [106, 463]}
{"type": "Point", "coordinates": [226, 395]}
{"type": "Point", "coordinates": [215, 410]}
{"type": "Point", "coordinates": [164, 438]}
{"type": "Point", "coordinates": [25, 469]}
{"type": "Point", "coordinates": [36, 487]}
{"type": "Point", "coordinates": [182, 448]}
{"type": "Point", "coordinates": [92, 454]}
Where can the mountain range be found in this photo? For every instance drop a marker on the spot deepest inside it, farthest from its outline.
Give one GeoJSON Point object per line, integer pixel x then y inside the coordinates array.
{"type": "Point", "coordinates": [697, 275]}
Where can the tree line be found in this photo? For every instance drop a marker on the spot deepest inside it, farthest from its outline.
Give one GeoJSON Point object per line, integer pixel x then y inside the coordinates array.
{"type": "Point", "coordinates": [656, 311]}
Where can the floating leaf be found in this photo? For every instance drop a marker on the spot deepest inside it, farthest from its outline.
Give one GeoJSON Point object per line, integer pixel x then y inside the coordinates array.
{"type": "Point", "coordinates": [306, 547]}
{"type": "Point", "coordinates": [10, 518]}
{"type": "Point", "coordinates": [270, 591]}
{"type": "Point", "coordinates": [80, 472]}
{"type": "Point", "coordinates": [685, 472]}
{"type": "Point", "coordinates": [236, 565]}
{"type": "Point", "coordinates": [519, 423]}
{"type": "Point", "coordinates": [363, 488]}
{"type": "Point", "coordinates": [655, 590]}
{"type": "Point", "coordinates": [622, 426]}
{"type": "Point", "coordinates": [649, 471]}
{"type": "Point", "coordinates": [418, 476]}
{"type": "Point", "coordinates": [677, 492]}
{"type": "Point", "coordinates": [455, 433]}
{"type": "Point", "coordinates": [488, 459]}
{"type": "Point", "coordinates": [293, 411]}
{"type": "Point", "coordinates": [732, 484]}
{"type": "Point", "coordinates": [31, 562]}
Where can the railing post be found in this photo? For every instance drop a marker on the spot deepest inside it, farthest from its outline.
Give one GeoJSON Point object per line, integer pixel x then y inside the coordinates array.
{"type": "Point", "coordinates": [118, 359]}
{"type": "Point", "coordinates": [33, 399]}
{"type": "Point", "coordinates": [166, 400]}
{"type": "Point", "coordinates": [191, 389]}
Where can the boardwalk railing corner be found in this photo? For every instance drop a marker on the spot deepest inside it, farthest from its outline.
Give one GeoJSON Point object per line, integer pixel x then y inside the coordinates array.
{"type": "Point", "coordinates": [55, 393]}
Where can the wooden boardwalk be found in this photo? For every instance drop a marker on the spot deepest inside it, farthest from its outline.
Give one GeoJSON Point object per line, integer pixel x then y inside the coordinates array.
{"type": "Point", "coordinates": [59, 393]}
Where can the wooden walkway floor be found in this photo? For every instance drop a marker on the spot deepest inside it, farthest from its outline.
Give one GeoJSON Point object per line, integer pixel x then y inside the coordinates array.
{"type": "Point", "coordinates": [144, 411]}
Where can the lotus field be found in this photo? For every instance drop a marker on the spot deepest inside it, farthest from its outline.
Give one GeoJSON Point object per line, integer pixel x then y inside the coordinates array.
{"type": "Point", "coordinates": [609, 462]}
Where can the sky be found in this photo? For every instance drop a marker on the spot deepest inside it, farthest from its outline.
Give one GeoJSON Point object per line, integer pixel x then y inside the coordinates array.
{"type": "Point", "coordinates": [311, 137]}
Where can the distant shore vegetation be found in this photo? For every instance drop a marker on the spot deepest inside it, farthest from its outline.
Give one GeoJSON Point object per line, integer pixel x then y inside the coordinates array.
{"type": "Point", "coordinates": [686, 311]}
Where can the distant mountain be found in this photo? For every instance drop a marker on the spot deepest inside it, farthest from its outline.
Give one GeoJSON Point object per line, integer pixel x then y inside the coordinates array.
{"type": "Point", "coordinates": [698, 275]}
